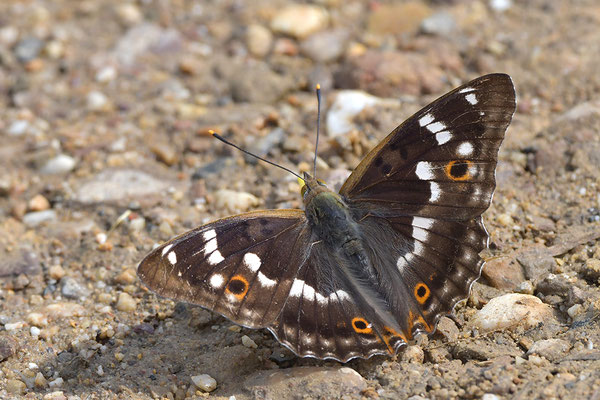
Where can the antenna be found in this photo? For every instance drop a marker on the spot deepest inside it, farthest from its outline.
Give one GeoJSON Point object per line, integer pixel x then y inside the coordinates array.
{"type": "Point", "coordinates": [222, 139]}
{"type": "Point", "coordinates": [318, 89]}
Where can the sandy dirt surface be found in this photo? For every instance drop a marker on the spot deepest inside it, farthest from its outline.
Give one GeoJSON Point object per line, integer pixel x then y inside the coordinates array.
{"type": "Point", "coordinates": [105, 108]}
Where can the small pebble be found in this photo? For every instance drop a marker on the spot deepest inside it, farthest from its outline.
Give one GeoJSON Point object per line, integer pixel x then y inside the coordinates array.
{"type": "Point", "coordinates": [233, 201]}
{"type": "Point", "coordinates": [58, 382]}
{"type": "Point", "coordinates": [16, 386]}
{"type": "Point", "coordinates": [126, 277]}
{"type": "Point", "coordinates": [60, 164]}
{"type": "Point", "coordinates": [347, 104]}
{"type": "Point", "coordinates": [505, 220]}
{"type": "Point", "coordinates": [35, 218]}
{"type": "Point", "coordinates": [18, 128]}
{"type": "Point", "coordinates": [441, 23]}
{"type": "Point", "coordinates": [106, 74]}
{"type": "Point", "coordinates": [525, 287]}
{"type": "Point", "coordinates": [38, 203]}
{"type": "Point", "coordinates": [246, 341]}
{"type": "Point", "coordinates": [575, 310]}
{"type": "Point", "coordinates": [35, 331]}
{"type": "Point", "coordinates": [58, 395]}
{"type": "Point", "coordinates": [126, 302]}
{"type": "Point", "coordinates": [105, 298]}
{"type": "Point", "coordinates": [119, 356]}
{"type": "Point", "coordinates": [96, 101]}
{"type": "Point", "coordinates": [326, 46]}
{"type": "Point", "coordinates": [413, 354]}
{"type": "Point", "coordinates": [40, 381]}
{"type": "Point", "coordinates": [101, 238]}
{"type": "Point", "coordinates": [129, 14]}
{"type": "Point", "coordinates": [500, 5]}
{"type": "Point", "coordinates": [204, 382]}
{"type": "Point", "coordinates": [490, 396]}
{"type": "Point", "coordinates": [259, 40]}
{"type": "Point", "coordinates": [56, 272]}
{"type": "Point", "coordinates": [55, 49]}
{"type": "Point", "coordinates": [37, 319]}
{"type": "Point", "coordinates": [300, 20]}
{"type": "Point", "coordinates": [72, 289]}
{"type": "Point", "coordinates": [510, 310]}
{"type": "Point", "coordinates": [14, 325]}
{"type": "Point", "coordinates": [28, 49]}
{"type": "Point", "coordinates": [137, 224]}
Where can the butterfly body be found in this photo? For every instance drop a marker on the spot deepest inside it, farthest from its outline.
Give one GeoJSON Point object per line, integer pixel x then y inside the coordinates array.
{"type": "Point", "coordinates": [362, 271]}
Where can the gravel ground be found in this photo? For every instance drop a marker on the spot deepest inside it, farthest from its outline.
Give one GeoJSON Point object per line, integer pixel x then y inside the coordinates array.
{"type": "Point", "coordinates": [105, 109]}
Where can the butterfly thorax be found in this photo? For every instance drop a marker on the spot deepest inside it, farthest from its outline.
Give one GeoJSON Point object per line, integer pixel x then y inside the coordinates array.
{"type": "Point", "coordinates": [328, 215]}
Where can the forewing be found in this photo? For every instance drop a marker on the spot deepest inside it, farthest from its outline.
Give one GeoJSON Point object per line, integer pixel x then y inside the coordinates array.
{"type": "Point", "coordinates": [242, 266]}
{"type": "Point", "coordinates": [441, 161]}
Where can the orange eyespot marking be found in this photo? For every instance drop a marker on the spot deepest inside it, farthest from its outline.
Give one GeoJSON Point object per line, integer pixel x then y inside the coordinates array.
{"type": "Point", "coordinates": [237, 286]}
{"type": "Point", "coordinates": [422, 292]}
{"type": "Point", "coordinates": [458, 170]}
{"type": "Point", "coordinates": [361, 325]}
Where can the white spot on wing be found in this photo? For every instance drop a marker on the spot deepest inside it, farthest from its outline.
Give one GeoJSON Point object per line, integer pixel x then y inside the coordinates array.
{"type": "Point", "coordinates": [215, 258]}
{"type": "Point", "coordinates": [252, 261]}
{"type": "Point", "coordinates": [435, 190]}
{"type": "Point", "coordinates": [426, 119]}
{"type": "Point", "coordinates": [436, 127]}
{"type": "Point", "coordinates": [471, 98]}
{"type": "Point", "coordinates": [210, 246]}
{"type": "Point", "coordinates": [296, 290]}
{"type": "Point", "coordinates": [166, 249]}
{"type": "Point", "coordinates": [172, 257]}
{"type": "Point", "coordinates": [210, 234]}
{"type": "Point", "coordinates": [262, 278]}
{"type": "Point", "coordinates": [404, 261]}
{"type": "Point", "coordinates": [420, 234]}
{"type": "Point", "coordinates": [421, 222]}
{"type": "Point", "coordinates": [443, 137]}
{"type": "Point", "coordinates": [424, 171]}
{"type": "Point", "coordinates": [216, 281]}
{"type": "Point", "coordinates": [465, 149]}
{"type": "Point", "coordinates": [300, 288]}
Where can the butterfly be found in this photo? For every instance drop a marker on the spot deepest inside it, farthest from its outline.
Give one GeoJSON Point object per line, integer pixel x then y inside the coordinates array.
{"type": "Point", "coordinates": [359, 272]}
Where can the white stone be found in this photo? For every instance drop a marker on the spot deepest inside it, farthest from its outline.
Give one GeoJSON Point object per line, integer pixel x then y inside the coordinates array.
{"type": "Point", "coordinates": [246, 341]}
{"type": "Point", "coordinates": [60, 164]}
{"type": "Point", "coordinates": [96, 100]}
{"type": "Point", "coordinates": [300, 20]}
{"type": "Point", "coordinates": [346, 106]}
{"type": "Point", "coordinates": [511, 310]}
{"type": "Point", "coordinates": [204, 382]}
{"type": "Point", "coordinates": [233, 201]}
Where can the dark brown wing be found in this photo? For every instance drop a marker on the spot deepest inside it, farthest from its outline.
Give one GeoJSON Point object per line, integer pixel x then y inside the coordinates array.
{"type": "Point", "coordinates": [440, 162]}
{"type": "Point", "coordinates": [242, 266]}
{"type": "Point", "coordinates": [419, 196]}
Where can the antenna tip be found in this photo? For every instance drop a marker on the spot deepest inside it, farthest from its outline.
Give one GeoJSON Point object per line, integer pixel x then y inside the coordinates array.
{"type": "Point", "coordinates": [318, 86]}
{"type": "Point", "coordinates": [211, 132]}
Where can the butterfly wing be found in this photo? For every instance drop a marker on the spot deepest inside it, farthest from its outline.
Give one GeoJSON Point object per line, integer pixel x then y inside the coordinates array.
{"type": "Point", "coordinates": [242, 266]}
{"type": "Point", "coordinates": [419, 194]}
{"type": "Point", "coordinates": [325, 317]}
{"type": "Point", "coordinates": [441, 162]}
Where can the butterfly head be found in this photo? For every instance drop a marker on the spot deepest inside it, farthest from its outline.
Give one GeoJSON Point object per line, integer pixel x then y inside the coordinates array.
{"type": "Point", "coordinates": [310, 187]}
